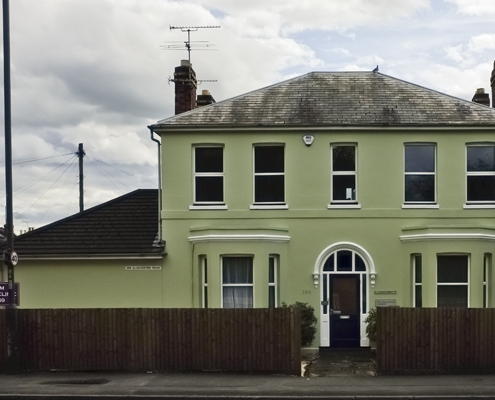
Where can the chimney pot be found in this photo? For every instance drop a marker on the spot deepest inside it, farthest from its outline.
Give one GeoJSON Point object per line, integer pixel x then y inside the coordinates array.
{"type": "Point", "coordinates": [481, 97]}
{"type": "Point", "coordinates": [205, 98]}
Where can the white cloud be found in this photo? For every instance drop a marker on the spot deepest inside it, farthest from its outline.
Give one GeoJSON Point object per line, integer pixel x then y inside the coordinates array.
{"type": "Point", "coordinates": [482, 43]}
{"type": "Point", "coordinates": [474, 7]}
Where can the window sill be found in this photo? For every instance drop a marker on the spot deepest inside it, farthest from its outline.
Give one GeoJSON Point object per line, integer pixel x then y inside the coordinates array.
{"type": "Point", "coordinates": [478, 206]}
{"type": "Point", "coordinates": [430, 206]}
{"type": "Point", "coordinates": [344, 206]}
{"type": "Point", "coordinates": [205, 207]}
{"type": "Point", "coordinates": [269, 207]}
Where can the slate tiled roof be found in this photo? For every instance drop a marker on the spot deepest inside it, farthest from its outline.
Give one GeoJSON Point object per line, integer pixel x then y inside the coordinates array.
{"type": "Point", "coordinates": [125, 226]}
{"type": "Point", "coordinates": [337, 99]}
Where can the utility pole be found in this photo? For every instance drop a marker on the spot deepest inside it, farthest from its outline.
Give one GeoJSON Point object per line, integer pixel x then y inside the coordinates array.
{"type": "Point", "coordinates": [80, 153]}
{"type": "Point", "coordinates": [10, 257]}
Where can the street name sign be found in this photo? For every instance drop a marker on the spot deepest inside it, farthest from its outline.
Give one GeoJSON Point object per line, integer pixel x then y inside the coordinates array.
{"type": "Point", "coordinates": [4, 294]}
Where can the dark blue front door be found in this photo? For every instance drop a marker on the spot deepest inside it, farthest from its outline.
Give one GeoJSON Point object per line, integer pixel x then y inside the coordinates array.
{"type": "Point", "coordinates": [344, 311]}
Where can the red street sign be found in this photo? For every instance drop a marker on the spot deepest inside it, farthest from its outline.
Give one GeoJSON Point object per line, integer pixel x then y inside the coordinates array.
{"type": "Point", "coordinates": [4, 294]}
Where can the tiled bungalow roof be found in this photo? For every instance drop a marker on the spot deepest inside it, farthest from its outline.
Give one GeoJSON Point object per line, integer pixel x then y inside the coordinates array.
{"type": "Point", "coordinates": [123, 227]}
{"type": "Point", "coordinates": [336, 99]}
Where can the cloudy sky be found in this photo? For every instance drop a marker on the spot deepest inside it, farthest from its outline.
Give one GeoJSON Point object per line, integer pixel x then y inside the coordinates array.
{"type": "Point", "coordinates": [96, 72]}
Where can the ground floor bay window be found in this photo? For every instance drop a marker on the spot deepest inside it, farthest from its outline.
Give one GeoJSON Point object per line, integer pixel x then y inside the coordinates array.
{"type": "Point", "coordinates": [452, 281]}
{"type": "Point", "coordinates": [237, 282]}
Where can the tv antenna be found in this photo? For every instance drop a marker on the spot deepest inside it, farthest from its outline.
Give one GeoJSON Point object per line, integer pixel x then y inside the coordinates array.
{"type": "Point", "coordinates": [197, 45]}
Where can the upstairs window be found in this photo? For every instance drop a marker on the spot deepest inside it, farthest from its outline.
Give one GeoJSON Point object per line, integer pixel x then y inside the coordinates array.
{"type": "Point", "coordinates": [343, 174]}
{"type": "Point", "coordinates": [269, 175]}
{"type": "Point", "coordinates": [419, 175]}
{"type": "Point", "coordinates": [208, 175]}
{"type": "Point", "coordinates": [480, 174]}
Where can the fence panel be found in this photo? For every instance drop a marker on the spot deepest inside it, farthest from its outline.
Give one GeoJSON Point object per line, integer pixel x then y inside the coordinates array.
{"type": "Point", "coordinates": [435, 340]}
{"type": "Point", "coordinates": [158, 339]}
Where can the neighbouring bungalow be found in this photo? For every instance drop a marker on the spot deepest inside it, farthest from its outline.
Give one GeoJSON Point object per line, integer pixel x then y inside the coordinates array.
{"type": "Point", "coordinates": [107, 256]}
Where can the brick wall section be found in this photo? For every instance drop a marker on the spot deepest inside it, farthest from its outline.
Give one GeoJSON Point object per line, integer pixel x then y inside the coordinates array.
{"type": "Point", "coordinates": [185, 87]}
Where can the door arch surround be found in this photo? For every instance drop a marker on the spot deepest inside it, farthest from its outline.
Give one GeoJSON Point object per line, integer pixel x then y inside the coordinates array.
{"type": "Point", "coordinates": [364, 287]}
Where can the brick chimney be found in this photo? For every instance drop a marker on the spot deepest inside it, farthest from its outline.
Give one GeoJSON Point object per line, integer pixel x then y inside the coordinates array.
{"type": "Point", "coordinates": [205, 98]}
{"type": "Point", "coordinates": [492, 84]}
{"type": "Point", "coordinates": [185, 87]}
{"type": "Point", "coordinates": [481, 97]}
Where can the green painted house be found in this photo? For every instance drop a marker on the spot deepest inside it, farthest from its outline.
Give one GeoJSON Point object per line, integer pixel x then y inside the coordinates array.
{"type": "Point", "coordinates": [344, 190]}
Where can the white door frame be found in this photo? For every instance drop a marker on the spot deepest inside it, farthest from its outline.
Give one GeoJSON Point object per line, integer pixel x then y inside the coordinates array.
{"type": "Point", "coordinates": [318, 269]}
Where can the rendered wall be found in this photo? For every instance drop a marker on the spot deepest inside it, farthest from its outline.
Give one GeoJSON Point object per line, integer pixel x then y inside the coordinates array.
{"type": "Point", "coordinates": [89, 284]}
{"type": "Point", "coordinates": [311, 226]}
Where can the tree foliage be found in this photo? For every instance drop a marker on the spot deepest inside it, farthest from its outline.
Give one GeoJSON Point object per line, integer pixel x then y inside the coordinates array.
{"type": "Point", "coordinates": [308, 322]}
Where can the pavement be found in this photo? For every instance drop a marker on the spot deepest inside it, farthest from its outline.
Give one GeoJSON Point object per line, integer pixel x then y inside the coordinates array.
{"type": "Point", "coordinates": [326, 378]}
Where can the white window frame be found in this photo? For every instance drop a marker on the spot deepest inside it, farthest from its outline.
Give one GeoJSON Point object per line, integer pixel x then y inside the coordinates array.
{"type": "Point", "coordinates": [487, 258]}
{"type": "Point", "coordinates": [477, 173]}
{"type": "Point", "coordinates": [237, 284]}
{"type": "Point", "coordinates": [268, 204]}
{"type": "Point", "coordinates": [274, 283]}
{"type": "Point", "coordinates": [196, 203]}
{"type": "Point", "coordinates": [204, 281]}
{"type": "Point", "coordinates": [344, 173]}
{"type": "Point", "coordinates": [420, 204]}
{"type": "Point", "coordinates": [456, 283]}
{"type": "Point", "coordinates": [416, 284]}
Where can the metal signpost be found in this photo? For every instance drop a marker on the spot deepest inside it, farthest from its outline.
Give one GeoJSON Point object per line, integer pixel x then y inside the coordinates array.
{"type": "Point", "coordinates": [10, 256]}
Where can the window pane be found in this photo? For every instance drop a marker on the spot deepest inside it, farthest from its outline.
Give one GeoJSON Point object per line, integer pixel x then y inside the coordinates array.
{"type": "Point", "coordinates": [325, 293]}
{"type": "Point", "coordinates": [420, 188]}
{"type": "Point", "coordinates": [419, 296]}
{"type": "Point", "coordinates": [237, 297]}
{"type": "Point", "coordinates": [271, 270]}
{"type": "Point", "coordinates": [205, 299]}
{"type": "Point", "coordinates": [209, 159]}
{"type": "Point", "coordinates": [452, 296]}
{"type": "Point", "coordinates": [417, 269]}
{"type": "Point", "coordinates": [344, 187]}
{"type": "Point", "coordinates": [420, 158]}
{"type": "Point", "coordinates": [360, 266]}
{"type": "Point", "coordinates": [237, 270]}
{"type": "Point", "coordinates": [344, 158]}
{"type": "Point", "coordinates": [481, 188]}
{"type": "Point", "coordinates": [481, 158]}
{"type": "Point", "coordinates": [452, 269]}
{"type": "Point", "coordinates": [269, 189]}
{"type": "Point", "coordinates": [344, 260]}
{"type": "Point", "coordinates": [365, 304]}
{"type": "Point", "coordinates": [329, 263]}
{"type": "Point", "coordinates": [271, 297]}
{"type": "Point", "coordinates": [209, 188]}
{"type": "Point", "coordinates": [269, 159]}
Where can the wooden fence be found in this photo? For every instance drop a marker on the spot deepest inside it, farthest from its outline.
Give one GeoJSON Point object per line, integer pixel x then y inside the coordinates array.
{"type": "Point", "coordinates": [155, 339]}
{"type": "Point", "coordinates": [435, 340]}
